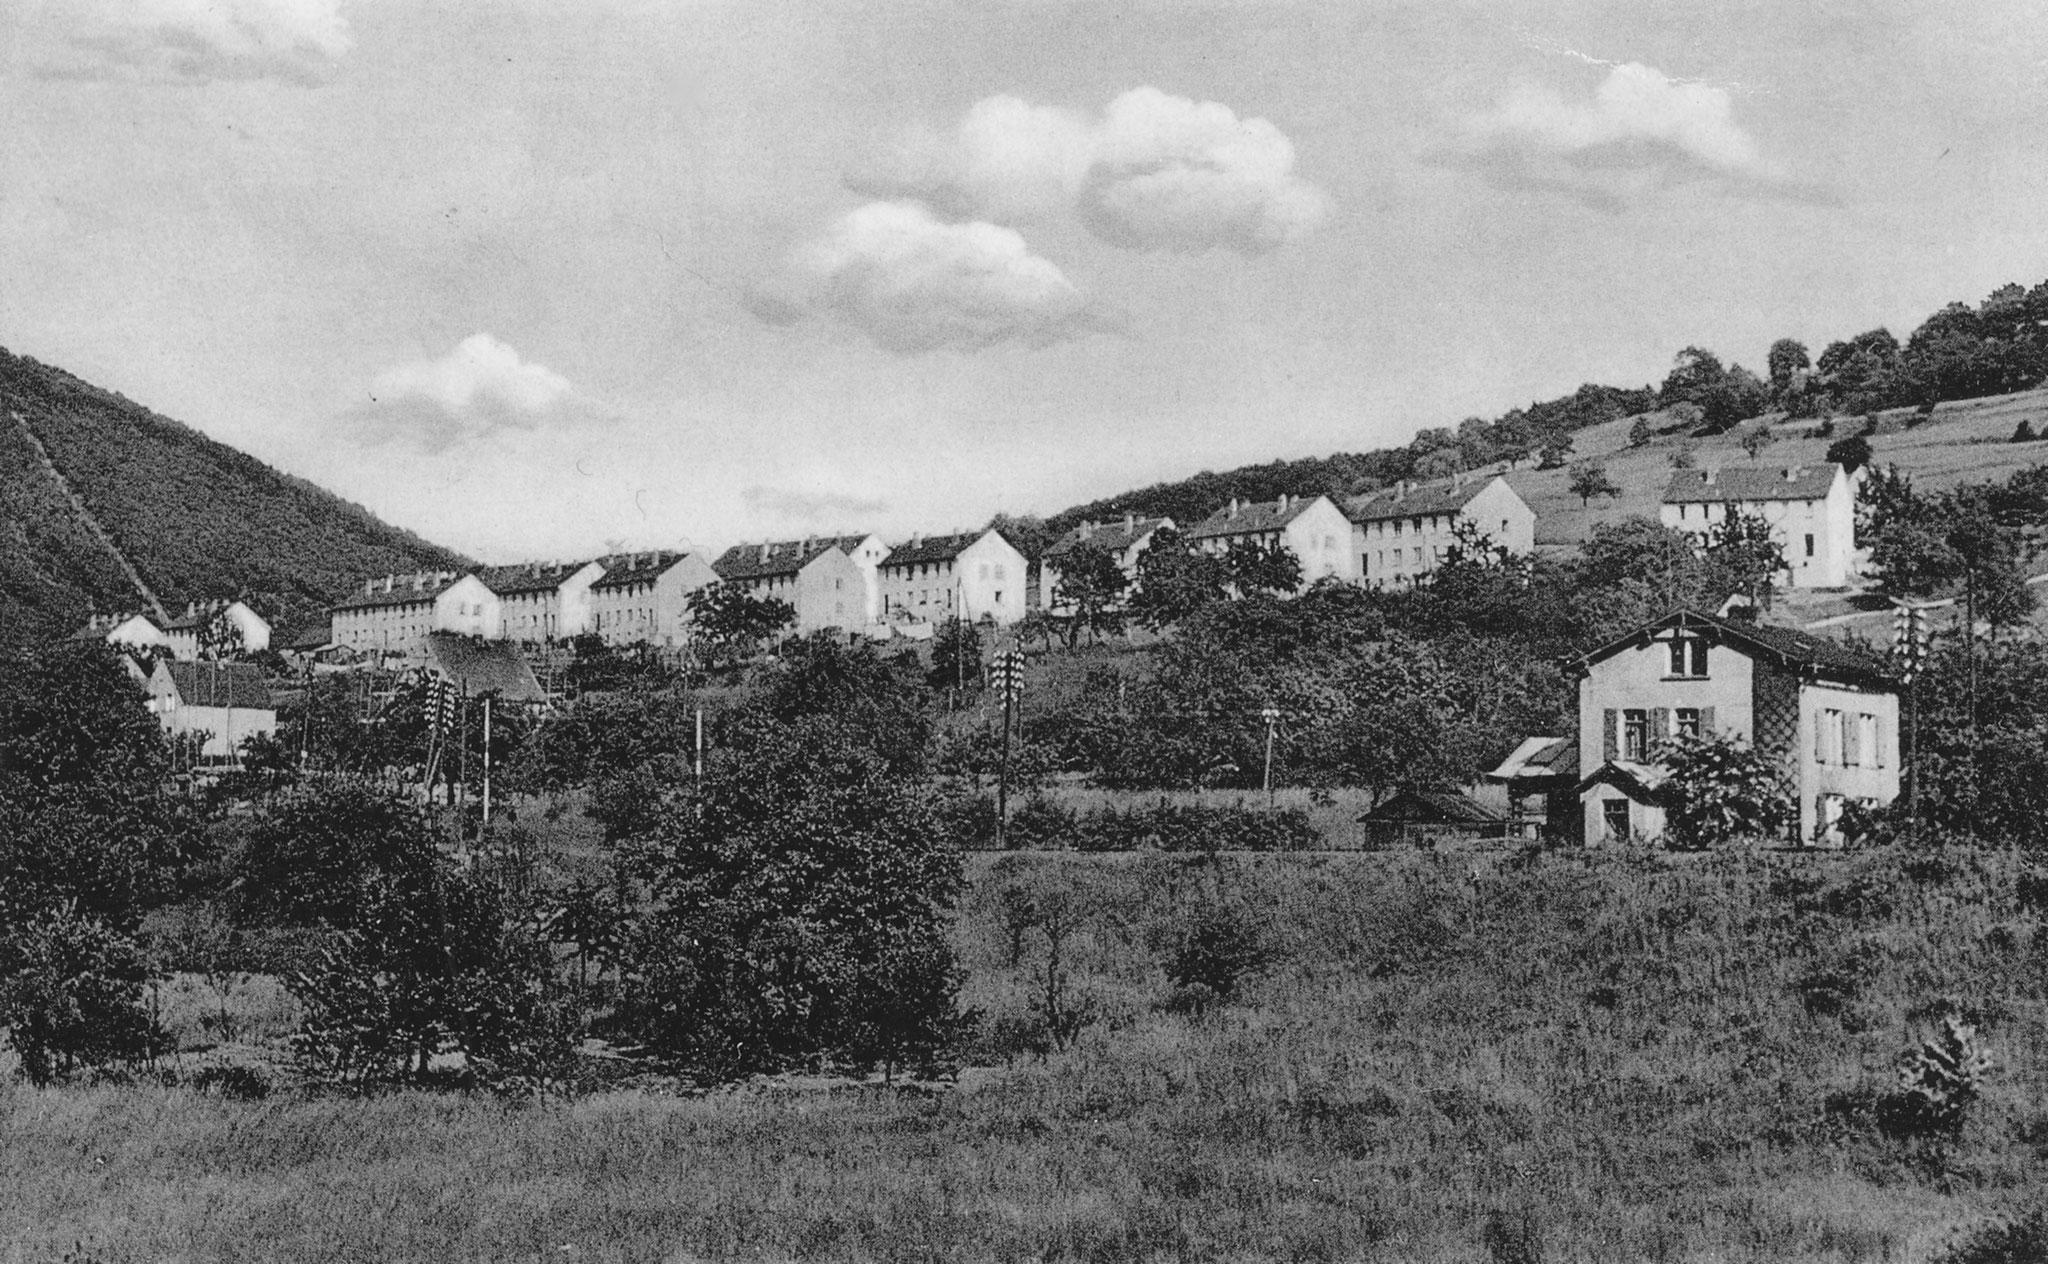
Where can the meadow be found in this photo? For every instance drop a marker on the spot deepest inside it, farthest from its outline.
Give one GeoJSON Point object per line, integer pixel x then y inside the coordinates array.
{"type": "Point", "coordinates": [1406, 1057]}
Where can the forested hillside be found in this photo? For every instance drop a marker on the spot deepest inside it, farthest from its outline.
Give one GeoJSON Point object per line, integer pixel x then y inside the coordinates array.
{"type": "Point", "coordinates": [195, 519]}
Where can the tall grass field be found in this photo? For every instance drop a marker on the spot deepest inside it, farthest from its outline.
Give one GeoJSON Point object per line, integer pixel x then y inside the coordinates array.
{"type": "Point", "coordinates": [1387, 1057]}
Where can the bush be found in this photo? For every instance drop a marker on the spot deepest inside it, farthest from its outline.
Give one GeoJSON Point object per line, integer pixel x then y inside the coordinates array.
{"type": "Point", "coordinates": [2007, 1240]}
{"type": "Point", "coordinates": [1937, 1085]}
{"type": "Point", "coordinates": [2024, 432]}
{"type": "Point", "coordinates": [71, 995]}
{"type": "Point", "coordinates": [1219, 945]}
{"type": "Point", "coordinates": [313, 857]}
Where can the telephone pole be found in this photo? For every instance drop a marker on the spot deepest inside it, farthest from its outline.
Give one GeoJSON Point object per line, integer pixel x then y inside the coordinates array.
{"type": "Point", "coordinates": [1271, 715]}
{"type": "Point", "coordinates": [1009, 675]}
{"type": "Point", "coordinates": [1909, 645]}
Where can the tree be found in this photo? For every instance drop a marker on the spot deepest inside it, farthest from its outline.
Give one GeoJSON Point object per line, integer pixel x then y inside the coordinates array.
{"type": "Point", "coordinates": [1852, 453]}
{"type": "Point", "coordinates": [71, 993]}
{"type": "Point", "coordinates": [1555, 451]}
{"type": "Point", "coordinates": [956, 656]}
{"type": "Point", "coordinates": [1743, 545]}
{"type": "Point", "coordinates": [1091, 591]}
{"type": "Point", "coordinates": [1175, 580]}
{"type": "Point", "coordinates": [1641, 432]}
{"type": "Point", "coordinates": [1719, 790]}
{"type": "Point", "coordinates": [836, 692]}
{"type": "Point", "coordinates": [2024, 432]}
{"type": "Point", "coordinates": [1755, 438]}
{"type": "Point", "coordinates": [732, 622]}
{"type": "Point", "coordinates": [1589, 479]}
{"type": "Point", "coordinates": [314, 856]}
{"type": "Point", "coordinates": [1256, 569]}
{"type": "Point", "coordinates": [1786, 360]}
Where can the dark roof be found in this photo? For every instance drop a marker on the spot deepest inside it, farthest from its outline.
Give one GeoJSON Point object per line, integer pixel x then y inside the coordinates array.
{"type": "Point", "coordinates": [1432, 807]}
{"type": "Point", "coordinates": [1788, 647]}
{"type": "Point", "coordinates": [1540, 759]}
{"type": "Point", "coordinates": [403, 592]}
{"type": "Point", "coordinates": [1810, 482]}
{"type": "Point", "coordinates": [312, 637]}
{"type": "Point", "coordinates": [1114, 536]}
{"type": "Point", "coordinates": [763, 561]}
{"type": "Point", "coordinates": [480, 667]}
{"type": "Point", "coordinates": [936, 548]}
{"type": "Point", "coordinates": [1252, 517]}
{"type": "Point", "coordinates": [1642, 782]}
{"type": "Point", "coordinates": [1388, 503]}
{"type": "Point", "coordinates": [220, 685]}
{"type": "Point", "coordinates": [635, 568]}
{"type": "Point", "coordinates": [527, 577]}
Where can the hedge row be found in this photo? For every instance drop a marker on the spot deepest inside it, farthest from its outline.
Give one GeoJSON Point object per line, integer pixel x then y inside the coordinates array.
{"type": "Point", "coordinates": [1041, 824]}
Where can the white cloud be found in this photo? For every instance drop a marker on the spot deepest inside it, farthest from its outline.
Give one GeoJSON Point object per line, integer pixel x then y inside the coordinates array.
{"type": "Point", "coordinates": [198, 40]}
{"type": "Point", "coordinates": [913, 283]}
{"type": "Point", "coordinates": [480, 387]}
{"type": "Point", "coordinates": [1155, 171]}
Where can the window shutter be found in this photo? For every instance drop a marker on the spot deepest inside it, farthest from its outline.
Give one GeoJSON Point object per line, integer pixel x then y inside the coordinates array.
{"type": "Point", "coordinates": [1660, 728]}
{"type": "Point", "coordinates": [1707, 722]}
{"type": "Point", "coordinates": [1852, 741]}
{"type": "Point", "coordinates": [1610, 736]}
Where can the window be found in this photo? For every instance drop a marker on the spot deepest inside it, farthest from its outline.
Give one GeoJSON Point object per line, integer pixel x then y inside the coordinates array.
{"type": "Point", "coordinates": [1827, 736]}
{"type": "Point", "coordinates": [1688, 656]}
{"type": "Point", "coordinates": [1688, 721]}
{"type": "Point", "coordinates": [1418, 555]}
{"type": "Point", "coordinates": [1873, 751]}
{"type": "Point", "coordinates": [1503, 528]}
{"type": "Point", "coordinates": [1614, 814]}
{"type": "Point", "coordinates": [1000, 576]}
{"type": "Point", "coordinates": [1417, 524]}
{"type": "Point", "coordinates": [1809, 544]}
{"type": "Point", "coordinates": [1397, 526]}
{"type": "Point", "coordinates": [1635, 735]}
{"type": "Point", "coordinates": [999, 596]}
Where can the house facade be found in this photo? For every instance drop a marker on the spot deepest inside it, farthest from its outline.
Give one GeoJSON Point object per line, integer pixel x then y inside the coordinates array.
{"type": "Point", "coordinates": [644, 598]}
{"type": "Point", "coordinates": [540, 602]}
{"type": "Point", "coordinates": [816, 577]}
{"type": "Point", "coordinates": [1310, 527]}
{"type": "Point", "coordinates": [210, 627]}
{"type": "Point", "coordinates": [394, 613]}
{"type": "Point", "coordinates": [1824, 714]}
{"type": "Point", "coordinates": [1811, 511]}
{"type": "Point", "coordinates": [974, 575]}
{"type": "Point", "coordinates": [132, 632]}
{"type": "Point", "coordinates": [221, 705]}
{"type": "Point", "coordinates": [1125, 541]}
{"type": "Point", "coordinates": [1403, 533]}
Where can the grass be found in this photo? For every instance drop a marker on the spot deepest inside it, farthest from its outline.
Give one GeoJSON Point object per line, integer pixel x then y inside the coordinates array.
{"type": "Point", "coordinates": [1446, 1058]}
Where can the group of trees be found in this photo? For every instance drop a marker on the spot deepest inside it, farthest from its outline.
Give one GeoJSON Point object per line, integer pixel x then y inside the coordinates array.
{"type": "Point", "coordinates": [1969, 542]}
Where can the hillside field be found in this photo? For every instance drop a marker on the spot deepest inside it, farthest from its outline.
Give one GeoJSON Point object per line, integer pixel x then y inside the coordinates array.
{"type": "Point", "coordinates": [1565, 1058]}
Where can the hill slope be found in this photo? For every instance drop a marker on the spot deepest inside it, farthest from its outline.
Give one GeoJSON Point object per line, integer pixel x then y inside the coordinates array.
{"type": "Point", "coordinates": [105, 505]}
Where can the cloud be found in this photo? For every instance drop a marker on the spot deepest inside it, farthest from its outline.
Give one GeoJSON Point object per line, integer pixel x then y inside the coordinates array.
{"type": "Point", "coordinates": [1154, 172]}
{"type": "Point", "coordinates": [1640, 132]}
{"type": "Point", "coordinates": [480, 388]}
{"type": "Point", "coordinates": [810, 507]}
{"type": "Point", "coordinates": [914, 283]}
{"type": "Point", "coordinates": [201, 40]}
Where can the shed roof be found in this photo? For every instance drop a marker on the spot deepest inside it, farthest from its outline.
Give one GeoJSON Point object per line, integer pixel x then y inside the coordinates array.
{"type": "Point", "coordinates": [479, 667]}
{"type": "Point", "coordinates": [1747, 483]}
{"type": "Point", "coordinates": [1432, 807]}
{"type": "Point", "coordinates": [219, 685]}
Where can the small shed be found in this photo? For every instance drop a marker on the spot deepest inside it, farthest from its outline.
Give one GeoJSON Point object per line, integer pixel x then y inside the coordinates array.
{"type": "Point", "coordinates": [1427, 818]}
{"type": "Point", "coordinates": [1542, 777]}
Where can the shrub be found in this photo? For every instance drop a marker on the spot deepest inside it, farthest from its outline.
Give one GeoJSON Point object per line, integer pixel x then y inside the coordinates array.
{"type": "Point", "coordinates": [71, 995]}
{"type": "Point", "coordinates": [2024, 432]}
{"type": "Point", "coordinates": [1219, 945]}
{"type": "Point", "coordinates": [2019, 1239]}
{"type": "Point", "coordinates": [1937, 1084]}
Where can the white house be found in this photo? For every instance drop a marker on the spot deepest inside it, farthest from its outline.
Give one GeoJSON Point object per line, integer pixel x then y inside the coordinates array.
{"type": "Point", "coordinates": [1811, 511]}
{"type": "Point", "coordinates": [1826, 715]}
{"type": "Point", "coordinates": [542, 601]}
{"type": "Point", "coordinates": [221, 704]}
{"type": "Point", "coordinates": [224, 625]}
{"type": "Point", "coordinates": [132, 632]}
{"type": "Point", "coordinates": [1125, 541]}
{"type": "Point", "coordinates": [1402, 533]}
{"type": "Point", "coordinates": [644, 598]}
{"type": "Point", "coordinates": [974, 575]}
{"type": "Point", "coordinates": [394, 613]}
{"type": "Point", "coordinates": [816, 577]}
{"type": "Point", "coordinates": [1310, 527]}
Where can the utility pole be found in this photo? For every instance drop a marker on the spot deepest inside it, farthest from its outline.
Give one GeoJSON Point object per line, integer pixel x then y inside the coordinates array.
{"type": "Point", "coordinates": [485, 828]}
{"type": "Point", "coordinates": [1271, 715]}
{"type": "Point", "coordinates": [1009, 674]}
{"type": "Point", "coordinates": [1909, 644]}
{"type": "Point", "coordinates": [698, 767]}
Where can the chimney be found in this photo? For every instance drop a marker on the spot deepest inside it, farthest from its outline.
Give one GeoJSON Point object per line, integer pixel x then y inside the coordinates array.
{"type": "Point", "coordinates": [390, 583]}
{"type": "Point", "coordinates": [765, 550]}
{"type": "Point", "coordinates": [1707, 477]}
{"type": "Point", "coordinates": [1130, 522]}
{"type": "Point", "coordinates": [1087, 529]}
{"type": "Point", "coordinates": [1282, 505]}
{"type": "Point", "coordinates": [1233, 506]}
{"type": "Point", "coordinates": [1792, 474]}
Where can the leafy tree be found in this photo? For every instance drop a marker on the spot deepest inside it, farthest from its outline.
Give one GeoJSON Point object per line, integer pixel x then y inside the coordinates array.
{"type": "Point", "coordinates": [1724, 395]}
{"type": "Point", "coordinates": [1589, 479]}
{"type": "Point", "coordinates": [956, 656]}
{"type": "Point", "coordinates": [1256, 569]}
{"type": "Point", "coordinates": [71, 993]}
{"type": "Point", "coordinates": [1852, 453]}
{"type": "Point", "coordinates": [1786, 360]}
{"type": "Point", "coordinates": [1091, 592]}
{"type": "Point", "coordinates": [731, 622]}
{"type": "Point", "coordinates": [1748, 552]}
{"type": "Point", "coordinates": [605, 734]}
{"type": "Point", "coordinates": [315, 854]}
{"type": "Point", "coordinates": [1641, 432]}
{"type": "Point", "coordinates": [1755, 438]}
{"type": "Point", "coordinates": [1720, 790]}
{"type": "Point", "coordinates": [2024, 432]}
{"type": "Point", "coordinates": [1556, 450]}
{"type": "Point", "coordinates": [833, 691]}
{"type": "Point", "coordinates": [1176, 580]}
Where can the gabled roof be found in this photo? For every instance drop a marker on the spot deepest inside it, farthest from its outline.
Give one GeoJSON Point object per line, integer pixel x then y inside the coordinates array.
{"type": "Point", "coordinates": [316, 636]}
{"type": "Point", "coordinates": [1115, 536]}
{"type": "Point", "coordinates": [219, 685]}
{"type": "Point", "coordinates": [1786, 647]}
{"type": "Point", "coordinates": [1390, 502]}
{"type": "Point", "coordinates": [479, 667]}
{"type": "Point", "coordinates": [1252, 517]}
{"type": "Point", "coordinates": [1642, 782]}
{"type": "Point", "coordinates": [1747, 483]}
{"type": "Point", "coordinates": [1432, 807]}
{"type": "Point", "coordinates": [626, 569]}
{"type": "Point", "coordinates": [404, 592]}
{"type": "Point", "coordinates": [527, 577]}
{"type": "Point", "coordinates": [936, 548]}
{"type": "Point", "coordinates": [1540, 758]}
{"type": "Point", "coordinates": [766, 561]}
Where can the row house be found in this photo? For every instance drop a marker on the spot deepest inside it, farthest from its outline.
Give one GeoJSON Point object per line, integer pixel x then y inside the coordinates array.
{"type": "Point", "coordinates": [1403, 533]}
{"type": "Point", "coordinates": [1811, 511]}
{"type": "Point", "coordinates": [1310, 527]}
{"type": "Point", "coordinates": [971, 575]}
{"type": "Point", "coordinates": [393, 614]}
{"type": "Point", "coordinates": [540, 602]}
{"type": "Point", "coordinates": [644, 598]}
{"type": "Point", "coordinates": [816, 577]}
{"type": "Point", "coordinates": [1124, 541]}
{"type": "Point", "coordinates": [216, 628]}
{"type": "Point", "coordinates": [1824, 713]}
{"type": "Point", "coordinates": [135, 633]}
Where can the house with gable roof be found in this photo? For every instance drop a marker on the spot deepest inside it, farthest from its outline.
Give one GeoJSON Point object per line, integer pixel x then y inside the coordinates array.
{"type": "Point", "coordinates": [815, 576]}
{"type": "Point", "coordinates": [392, 614]}
{"type": "Point", "coordinates": [1811, 511]}
{"type": "Point", "coordinates": [540, 602]}
{"type": "Point", "coordinates": [135, 633]}
{"type": "Point", "coordinates": [1402, 533]}
{"type": "Point", "coordinates": [207, 628]}
{"type": "Point", "coordinates": [1310, 527]}
{"type": "Point", "coordinates": [1125, 541]}
{"type": "Point", "coordinates": [644, 598]}
{"type": "Point", "coordinates": [1825, 714]}
{"type": "Point", "coordinates": [221, 705]}
{"type": "Point", "coordinates": [975, 575]}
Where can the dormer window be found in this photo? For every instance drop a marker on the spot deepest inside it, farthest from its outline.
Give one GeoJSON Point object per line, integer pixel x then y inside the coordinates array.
{"type": "Point", "coordinates": [1689, 656]}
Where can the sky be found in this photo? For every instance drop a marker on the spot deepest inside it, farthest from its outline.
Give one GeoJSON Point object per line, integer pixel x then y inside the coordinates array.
{"type": "Point", "coordinates": [539, 280]}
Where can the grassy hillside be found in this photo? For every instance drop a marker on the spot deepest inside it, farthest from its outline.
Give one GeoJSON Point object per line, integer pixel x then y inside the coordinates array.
{"type": "Point", "coordinates": [1590, 1058]}
{"type": "Point", "coordinates": [195, 519]}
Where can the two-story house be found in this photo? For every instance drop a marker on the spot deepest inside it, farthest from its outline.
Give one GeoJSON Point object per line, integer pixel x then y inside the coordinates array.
{"type": "Point", "coordinates": [1824, 713]}
{"type": "Point", "coordinates": [868, 553]}
{"type": "Point", "coordinates": [1310, 527]}
{"type": "Point", "coordinates": [1403, 532]}
{"type": "Point", "coordinates": [816, 577]}
{"type": "Point", "coordinates": [1811, 511]}
{"type": "Point", "coordinates": [540, 602]}
{"type": "Point", "coordinates": [217, 705]}
{"type": "Point", "coordinates": [134, 633]}
{"type": "Point", "coordinates": [394, 613]}
{"type": "Point", "coordinates": [213, 629]}
{"type": "Point", "coordinates": [1124, 541]}
{"type": "Point", "coordinates": [644, 598]}
{"type": "Point", "coordinates": [973, 575]}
